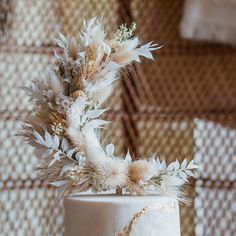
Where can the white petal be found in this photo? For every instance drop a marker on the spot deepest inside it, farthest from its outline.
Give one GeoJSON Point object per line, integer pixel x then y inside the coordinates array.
{"type": "Point", "coordinates": [56, 141]}
{"type": "Point", "coordinates": [63, 38]}
{"type": "Point", "coordinates": [94, 113]}
{"type": "Point", "coordinates": [128, 157]}
{"type": "Point", "coordinates": [59, 183]}
{"type": "Point", "coordinates": [64, 145]}
{"type": "Point", "coordinates": [183, 175]}
{"type": "Point", "coordinates": [110, 148]}
{"type": "Point", "coordinates": [177, 165]}
{"type": "Point", "coordinates": [70, 152]}
{"type": "Point", "coordinates": [184, 164]}
{"type": "Point", "coordinates": [171, 166]}
{"type": "Point", "coordinates": [97, 123]}
{"type": "Point", "coordinates": [39, 138]}
{"type": "Point", "coordinates": [190, 173]}
{"type": "Point", "coordinates": [48, 139]}
{"type": "Point", "coordinates": [191, 165]}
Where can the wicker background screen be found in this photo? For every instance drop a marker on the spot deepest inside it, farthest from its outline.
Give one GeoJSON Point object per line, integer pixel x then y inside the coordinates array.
{"type": "Point", "coordinates": [182, 105]}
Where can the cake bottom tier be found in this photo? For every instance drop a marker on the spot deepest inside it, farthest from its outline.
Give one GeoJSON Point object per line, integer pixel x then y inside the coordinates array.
{"type": "Point", "coordinates": [111, 215]}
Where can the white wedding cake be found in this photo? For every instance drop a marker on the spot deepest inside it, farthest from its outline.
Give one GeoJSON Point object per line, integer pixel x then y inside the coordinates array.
{"type": "Point", "coordinates": [111, 215]}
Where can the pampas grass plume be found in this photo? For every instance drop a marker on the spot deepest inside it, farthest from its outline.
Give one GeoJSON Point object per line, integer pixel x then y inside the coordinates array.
{"type": "Point", "coordinates": [141, 170]}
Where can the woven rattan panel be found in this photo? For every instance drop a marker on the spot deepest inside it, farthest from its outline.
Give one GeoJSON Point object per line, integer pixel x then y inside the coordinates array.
{"type": "Point", "coordinates": [16, 70]}
{"type": "Point", "coordinates": [30, 212]}
{"type": "Point", "coordinates": [35, 22]}
{"type": "Point", "coordinates": [182, 105]}
{"type": "Point", "coordinates": [206, 84]}
{"type": "Point", "coordinates": [161, 131]}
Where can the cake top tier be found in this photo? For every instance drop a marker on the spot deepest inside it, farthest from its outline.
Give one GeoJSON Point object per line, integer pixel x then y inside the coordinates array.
{"type": "Point", "coordinates": [121, 215]}
{"type": "Point", "coordinates": [128, 199]}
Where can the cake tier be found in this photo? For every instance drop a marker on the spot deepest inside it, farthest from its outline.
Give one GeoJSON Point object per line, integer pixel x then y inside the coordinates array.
{"type": "Point", "coordinates": [111, 215]}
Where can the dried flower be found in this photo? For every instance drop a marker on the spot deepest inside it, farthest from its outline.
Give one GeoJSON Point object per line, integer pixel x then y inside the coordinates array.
{"type": "Point", "coordinates": [141, 170]}
{"type": "Point", "coordinates": [64, 129]}
{"type": "Point", "coordinates": [63, 103]}
{"type": "Point", "coordinates": [112, 173]}
{"type": "Point", "coordinates": [58, 129]}
{"type": "Point", "coordinates": [58, 122]}
{"type": "Point", "coordinates": [91, 53]}
{"type": "Point", "coordinates": [73, 49]}
{"type": "Point", "coordinates": [78, 93]}
{"type": "Point", "coordinates": [124, 32]}
{"type": "Point", "coordinates": [90, 69]}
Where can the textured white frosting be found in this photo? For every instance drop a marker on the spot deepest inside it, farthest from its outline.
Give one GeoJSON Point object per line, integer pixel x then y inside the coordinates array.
{"type": "Point", "coordinates": [108, 215]}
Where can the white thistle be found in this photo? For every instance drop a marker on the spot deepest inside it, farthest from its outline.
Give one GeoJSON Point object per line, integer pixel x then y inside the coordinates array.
{"type": "Point", "coordinates": [112, 173]}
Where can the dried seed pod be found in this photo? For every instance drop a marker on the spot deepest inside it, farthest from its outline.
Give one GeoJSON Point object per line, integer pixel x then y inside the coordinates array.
{"type": "Point", "coordinates": [141, 170]}
{"type": "Point", "coordinates": [73, 49]}
{"type": "Point", "coordinates": [91, 53]}
{"type": "Point", "coordinates": [78, 93]}
{"type": "Point", "coordinates": [58, 129]}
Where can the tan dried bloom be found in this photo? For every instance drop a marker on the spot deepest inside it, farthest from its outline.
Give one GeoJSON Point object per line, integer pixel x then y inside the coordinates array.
{"type": "Point", "coordinates": [57, 117]}
{"type": "Point", "coordinates": [91, 53]}
{"type": "Point", "coordinates": [63, 103]}
{"type": "Point", "coordinates": [104, 57]}
{"type": "Point", "coordinates": [90, 69]}
{"type": "Point", "coordinates": [78, 93]}
{"type": "Point", "coordinates": [141, 170]}
{"type": "Point", "coordinates": [74, 176]}
{"type": "Point", "coordinates": [58, 129]}
{"type": "Point", "coordinates": [73, 49]}
{"type": "Point", "coordinates": [77, 82]}
{"type": "Point", "coordinates": [59, 123]}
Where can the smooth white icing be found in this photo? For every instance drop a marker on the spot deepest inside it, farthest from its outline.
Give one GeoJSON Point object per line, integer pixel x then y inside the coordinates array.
{"type": "Point", "coordinates": [108, 215]}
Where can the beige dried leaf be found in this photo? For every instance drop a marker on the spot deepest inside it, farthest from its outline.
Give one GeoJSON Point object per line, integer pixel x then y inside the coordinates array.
{"type": "Point", "coordinates": [73, 49]}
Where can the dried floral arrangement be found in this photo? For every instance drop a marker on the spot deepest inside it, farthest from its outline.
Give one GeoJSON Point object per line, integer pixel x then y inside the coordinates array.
{"type": "Point", "coordinates": [64, 128]}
